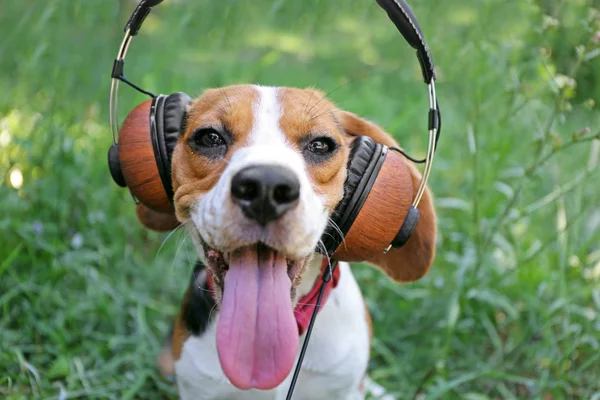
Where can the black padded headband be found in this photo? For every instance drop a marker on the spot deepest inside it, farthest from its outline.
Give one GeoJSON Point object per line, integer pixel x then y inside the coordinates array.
{"type": "Point", "coordinates": [406, 22]}
{"type": "Point", "coordinates": [398, 11]}
{"type": "Point", "coordinates": [139, 15]}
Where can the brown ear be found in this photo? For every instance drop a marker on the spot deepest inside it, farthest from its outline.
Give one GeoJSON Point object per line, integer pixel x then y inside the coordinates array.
{"type": "Point", "coordinates": [153, 220]}
{"type": "Point", "coordinates": [413, 260]}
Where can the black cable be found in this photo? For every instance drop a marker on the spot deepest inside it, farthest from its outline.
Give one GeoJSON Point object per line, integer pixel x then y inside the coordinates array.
{"type": "Point", "coordinates": [136, 87]}
{"type": "Point", "coordinates": [326, 278]}
{"type": "Point", "coordinates": [435, 122]}
{"type": "Point", "coordinates": [399, 150]}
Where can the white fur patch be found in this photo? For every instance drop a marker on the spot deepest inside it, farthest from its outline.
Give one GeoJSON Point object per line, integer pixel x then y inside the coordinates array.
{"type": "Point", "coordinates": [267, 113]}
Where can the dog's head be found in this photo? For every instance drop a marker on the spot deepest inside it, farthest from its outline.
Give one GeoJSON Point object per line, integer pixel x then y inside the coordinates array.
{"type": "Point", "coordinates": [258, 172]}
{"type": "Point", "coordinates": [259, 165]}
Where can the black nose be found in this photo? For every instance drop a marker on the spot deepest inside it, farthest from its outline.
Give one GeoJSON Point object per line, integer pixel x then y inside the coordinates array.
{"type": "Point", "coordinates": [265, 192]}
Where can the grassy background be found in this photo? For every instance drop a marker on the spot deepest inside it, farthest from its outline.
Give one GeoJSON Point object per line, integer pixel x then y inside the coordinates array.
{"type": "Point", "coordinates": [511, 307]}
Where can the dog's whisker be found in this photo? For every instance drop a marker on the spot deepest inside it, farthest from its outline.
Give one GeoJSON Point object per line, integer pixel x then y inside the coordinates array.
{"type": "Point", "coordinates": [321, 114]}
{"type": "Point", "coordinates": [330, 92]}
{"type": "Point", "coordinates": [348, 82]}
{"type": "Point", "coordinates": [312, 92]}
{"type": "Point", "coordinates": [204, 289]}
{"type": "Point", "coordinates": [321, 246]}
{"type": "Point", "coordinates": [328, 258]}
{"type": "Point", "coordinates": [187, 252]}
{"type": "Point", "coordinates": [335, 226]}
{"type": "Point", "coordinates": [195, 276]}
{"type": "Point", "coordinates": [304, 314]}
{"type": "Point", "coordinates": [320, 100]}
{"type": "Point", "coordinates": [182, 239]}
{"type": "Point", "coordinates": [211, 311]}
{"type": "Point", "coordinates": [226, 98]}
{"type": "Point", "coordinates": [317, 113]}
{"type": "Point", "coordinates": [167, 238]}
{"type": "Point", "coordinates": [307, 315]}
{"type": "Point", "coordinates": [321, 305]}
{"type": "Point", "coordinates": [338, 230]}
{"type": "Point", "coordinates": [330, 235]}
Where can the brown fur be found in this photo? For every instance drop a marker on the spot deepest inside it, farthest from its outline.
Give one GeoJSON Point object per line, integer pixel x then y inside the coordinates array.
{"type": "Point", "coordinates": [308, 111]}
{"type": "Point", "coordinates": [180, 332]}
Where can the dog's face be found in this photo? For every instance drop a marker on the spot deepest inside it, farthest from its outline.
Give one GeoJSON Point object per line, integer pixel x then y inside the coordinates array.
{"type": "Point", "coordinates": [259, 165]}
{"type": "Point", "coordinates": [258, 172]}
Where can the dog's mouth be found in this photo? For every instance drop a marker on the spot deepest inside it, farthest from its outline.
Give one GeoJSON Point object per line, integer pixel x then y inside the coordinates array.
{"type": "Point", "coordinates": [257, 334]}
{"type": "Point", "coordinates": [218, 265]}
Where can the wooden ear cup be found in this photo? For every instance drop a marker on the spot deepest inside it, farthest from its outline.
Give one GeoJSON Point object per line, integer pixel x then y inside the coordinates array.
{"type": "Point", "coordinates": [138, 162]}
{"type": "Point", "coordinates": [382, 214]}
{"type": "Point", "coordinates": [160, 222]}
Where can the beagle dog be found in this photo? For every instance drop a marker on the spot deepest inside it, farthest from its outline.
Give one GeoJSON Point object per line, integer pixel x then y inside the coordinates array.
{"type": "Point", "coordinates": [257, 173]}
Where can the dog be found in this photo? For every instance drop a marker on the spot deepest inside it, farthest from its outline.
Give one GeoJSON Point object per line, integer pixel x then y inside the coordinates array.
{"type": "Point", "coordinates": [257, 173]}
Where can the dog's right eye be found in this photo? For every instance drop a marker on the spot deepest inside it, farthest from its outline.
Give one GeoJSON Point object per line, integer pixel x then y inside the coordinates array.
{"type": "Point", "coordinates": [208, 138]}
{"type": "Point", "coordinates": [208, 142]}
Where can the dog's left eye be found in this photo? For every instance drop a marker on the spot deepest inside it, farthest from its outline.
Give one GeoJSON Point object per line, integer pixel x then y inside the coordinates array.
{"type": "Point", "coordinates": [321, 146]}
{"type": "Point", "coordinates": [208, 142]}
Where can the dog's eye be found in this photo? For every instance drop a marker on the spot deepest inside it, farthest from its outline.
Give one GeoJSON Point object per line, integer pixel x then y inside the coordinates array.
{"type": "Point", "coordinates": [209, 138]}
{"type": "Point", "coordinates": [209, 142]}
{"type": "Point", "coordinates": [320, 148]}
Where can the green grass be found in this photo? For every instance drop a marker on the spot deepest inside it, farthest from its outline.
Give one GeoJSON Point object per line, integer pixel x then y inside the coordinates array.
{"type": "Point", "coordinates": [511, 307]}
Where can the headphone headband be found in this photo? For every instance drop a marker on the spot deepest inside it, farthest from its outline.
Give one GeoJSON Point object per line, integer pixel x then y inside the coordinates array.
{"type": "Point", "coordinates": [139, 15]}
{"type": "Point", "coordinates": [399, 13]}
{"type": "Point", "coordinates": [406, 23]}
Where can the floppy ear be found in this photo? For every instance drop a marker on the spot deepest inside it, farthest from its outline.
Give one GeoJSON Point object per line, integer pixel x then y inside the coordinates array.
{"type": "Point", "coordinates": [153, 220]}
{"type": "Point", "coordinates": [413, 260]}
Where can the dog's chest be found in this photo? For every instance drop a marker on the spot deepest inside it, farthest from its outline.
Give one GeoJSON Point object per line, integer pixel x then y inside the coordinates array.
{"type": "Point", "coordinates": [333, 368]}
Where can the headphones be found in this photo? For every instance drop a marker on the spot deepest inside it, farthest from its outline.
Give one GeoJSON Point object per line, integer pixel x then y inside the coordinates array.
{"type": "Point", "coordinates": [377, 211]}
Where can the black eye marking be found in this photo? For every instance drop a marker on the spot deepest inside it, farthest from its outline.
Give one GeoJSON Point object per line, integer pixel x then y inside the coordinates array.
{"type": "Point", "coordinates": [319, 149]}
{"type": "Point", "coordinates": [210, 142]}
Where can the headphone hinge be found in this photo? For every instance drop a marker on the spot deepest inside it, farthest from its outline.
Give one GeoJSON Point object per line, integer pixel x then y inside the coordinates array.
{"type": "Point", "coordinates": [434, 119]}
{"type": "Point", "coordinates": [117, 71]}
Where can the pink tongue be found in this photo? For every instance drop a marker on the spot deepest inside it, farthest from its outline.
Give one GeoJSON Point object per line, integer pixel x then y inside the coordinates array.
{"type": "Point", "coordinates": [257, 335]}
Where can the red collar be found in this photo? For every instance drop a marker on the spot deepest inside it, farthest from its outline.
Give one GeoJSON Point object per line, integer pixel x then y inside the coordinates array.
{"type": "Point", "coordinates": [306, 305]}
